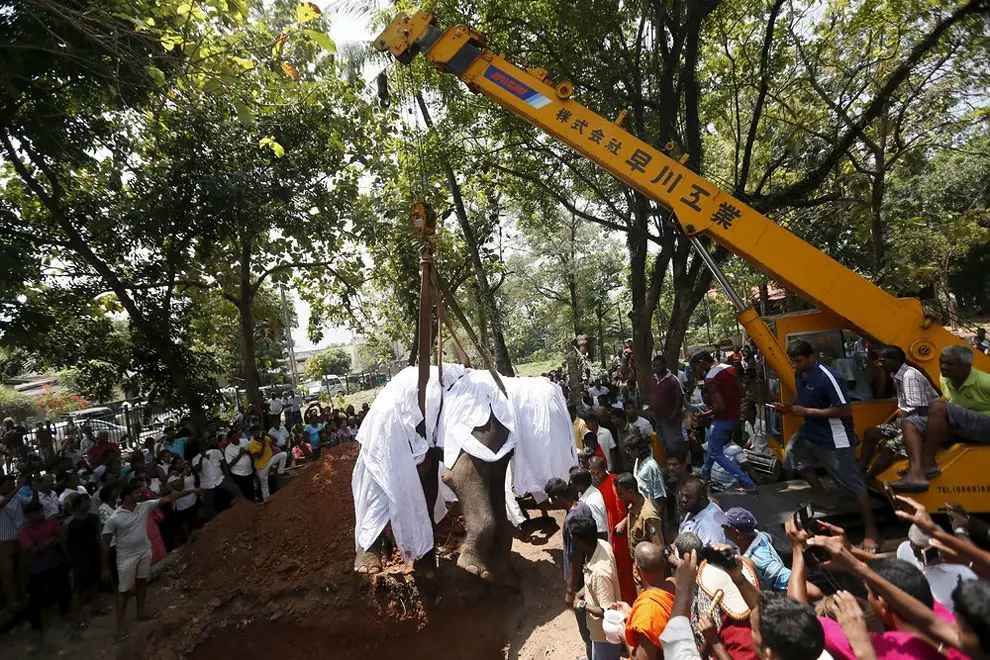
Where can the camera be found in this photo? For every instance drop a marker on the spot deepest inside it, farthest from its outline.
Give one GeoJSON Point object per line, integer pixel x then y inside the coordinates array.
{"type": "Point", "coordinates": [724, 558]}
{"type": "Point", "coordinates": [930, 556]}
{"type": "Point", "coordinates": [804, 518]}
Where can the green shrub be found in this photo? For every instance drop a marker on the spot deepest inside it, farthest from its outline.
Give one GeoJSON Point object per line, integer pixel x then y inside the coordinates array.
{"type": "Point", "coordinates": [14, 404]}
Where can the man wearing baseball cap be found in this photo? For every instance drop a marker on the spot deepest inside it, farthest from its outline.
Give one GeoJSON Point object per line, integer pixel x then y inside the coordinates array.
{"type": "Point", "coordinates": [740, 528]}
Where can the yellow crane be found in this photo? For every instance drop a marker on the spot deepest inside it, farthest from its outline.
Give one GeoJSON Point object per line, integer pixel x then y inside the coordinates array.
{"type": "Point", "coordinates": [844, 300]}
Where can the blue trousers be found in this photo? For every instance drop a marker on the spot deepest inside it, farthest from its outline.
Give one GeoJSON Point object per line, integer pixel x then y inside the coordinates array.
{"type": "Point", "coordinates": [721, 433]}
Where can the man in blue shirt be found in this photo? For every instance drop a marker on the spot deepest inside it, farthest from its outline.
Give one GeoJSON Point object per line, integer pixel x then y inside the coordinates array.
{"type": "Point", "coordinates": [827, 436]}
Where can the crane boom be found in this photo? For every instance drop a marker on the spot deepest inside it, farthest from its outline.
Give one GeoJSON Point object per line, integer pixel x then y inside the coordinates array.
{"type": "Point", "coordinates": [699, 206]}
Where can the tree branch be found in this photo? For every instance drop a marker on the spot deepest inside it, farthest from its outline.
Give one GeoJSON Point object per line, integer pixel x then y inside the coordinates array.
{"type": "Point", "coordinates": [760, 97]}
{"type": "Point", "coordinates": [818, 175]}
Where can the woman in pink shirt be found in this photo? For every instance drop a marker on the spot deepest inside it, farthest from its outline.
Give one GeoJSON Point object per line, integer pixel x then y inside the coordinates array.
{"type": "Point", "coordinates": [48, 572]}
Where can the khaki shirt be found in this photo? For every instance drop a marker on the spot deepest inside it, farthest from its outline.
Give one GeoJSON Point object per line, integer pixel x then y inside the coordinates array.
{"type": "Point", "coordinates": [644, 524]}
{"type": "Point", "coordinates": [601, 586]}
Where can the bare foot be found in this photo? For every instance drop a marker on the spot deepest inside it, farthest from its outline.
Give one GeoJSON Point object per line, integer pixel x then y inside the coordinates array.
{"type": "Point", "coordinates": [870, 545]}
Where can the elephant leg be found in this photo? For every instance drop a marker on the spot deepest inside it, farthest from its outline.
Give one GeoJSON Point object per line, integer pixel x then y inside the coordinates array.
{"type": "Point", "coordinates": [469, 481]}
{"type": "Point", "coordinates": [470, 478]}
{"type": "Point", "coordinates": [370, 561]}
{"type": "Point", "coordinates": [427, 470]}
{"type": "Point", "coordinates": [501, 548]}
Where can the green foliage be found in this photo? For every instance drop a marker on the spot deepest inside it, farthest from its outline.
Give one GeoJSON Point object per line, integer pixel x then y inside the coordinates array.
{"type": "Point", "coordinates": [16, 405]}
{"type": "Point", "coordinates": [333, 361]}
{"type": "Point", "coordinates": [169, 166]}
{"type": "Point", "coordinates": [203, 146]}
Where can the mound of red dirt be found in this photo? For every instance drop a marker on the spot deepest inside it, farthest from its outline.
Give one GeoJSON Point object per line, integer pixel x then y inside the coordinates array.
{"type": "Point", "coordinates": [276, 580]}
{"type": "Point", "coordinates": [304, 533]}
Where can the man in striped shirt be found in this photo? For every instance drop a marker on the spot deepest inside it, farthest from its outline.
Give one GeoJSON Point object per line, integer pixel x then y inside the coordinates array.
{"type": "Point", "coordinates": [914, 395]}
{"type": "Point", "coordinates": [827, 435]}
{"type": "Point", "coordinates": [13, 578]}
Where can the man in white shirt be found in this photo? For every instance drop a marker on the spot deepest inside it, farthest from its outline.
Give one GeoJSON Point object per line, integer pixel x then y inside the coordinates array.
{"type": "Point", "coordinates": [635, 419]}
{"type": "Point", "coordinates": [72, 485]}
{"type": "Point", "coordinates": [87, 439]}
{"type": "Point", "coordinates": [605, 441]}
{"type": "Point", "coordinates": [274, 410]}
{"type": "Point", "coordinates": [280, 434]}
{"type": "Point", "coordinates": [699, 512]}
{"type": "Point", "coordinates": [241, 465]}
{"type": "Point", "coordinates": [291, 406]}
{"type": "Point", "coordinates": [596, 391]}
{"type": "Point", "coordinates": [48, 499]}
{"type": "Point", "coordinates": [581, 482]}
{"type": "Point", "coordinates": [914, 395]}
{"type": "Point", "coordinates": [209, 465]}
{"type": "Point", "coordinates": [943, 578]}
{"type": "Point", "coordinates": [128, 527]}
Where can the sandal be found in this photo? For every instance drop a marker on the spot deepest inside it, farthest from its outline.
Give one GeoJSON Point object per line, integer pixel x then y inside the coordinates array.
{"type": "Point", "coordinates": [931, 474]}
{"type": "Point", "coordinates": [904, 486]}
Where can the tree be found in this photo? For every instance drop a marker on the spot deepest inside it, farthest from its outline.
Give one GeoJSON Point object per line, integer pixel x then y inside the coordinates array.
{"type": "Point", "coordinates": [333, 361]}
{"type": "Point", "coordinates": [847, 58]}
{"type": "Point", "coordinates": [942, 211]}
{"type": "Point", "coordinates": [663, 63]}
{"type": "Point", "coordinates": [106, 171]}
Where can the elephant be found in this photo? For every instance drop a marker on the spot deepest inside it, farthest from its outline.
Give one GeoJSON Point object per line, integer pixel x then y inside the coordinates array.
{"type": "Point", "coordinates": [470, 435]}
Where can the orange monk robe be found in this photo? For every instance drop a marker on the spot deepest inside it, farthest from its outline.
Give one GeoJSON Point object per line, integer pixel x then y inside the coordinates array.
{"type": "Point", "coordinates": [616, 511]}
{"type": "Point", "coordinates": [649, 616]}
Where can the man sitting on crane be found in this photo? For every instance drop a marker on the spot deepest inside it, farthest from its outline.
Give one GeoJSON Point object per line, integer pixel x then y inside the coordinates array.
{"type": "Point", "coordinates": [905, 434]}
{"type": "Point", "coordinates": [962, 412]}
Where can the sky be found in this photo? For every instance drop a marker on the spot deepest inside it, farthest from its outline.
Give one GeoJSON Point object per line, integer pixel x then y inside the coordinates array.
{"type": "Point", "coordinates": [344, 27]}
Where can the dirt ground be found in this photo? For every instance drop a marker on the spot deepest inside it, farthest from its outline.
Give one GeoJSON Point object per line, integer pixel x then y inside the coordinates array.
{"type": "Point", "coordinates": [275, 580]}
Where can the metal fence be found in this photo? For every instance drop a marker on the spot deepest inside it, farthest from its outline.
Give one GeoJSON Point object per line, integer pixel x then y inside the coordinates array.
{"type": "Point", "coordinates": [126, 423]}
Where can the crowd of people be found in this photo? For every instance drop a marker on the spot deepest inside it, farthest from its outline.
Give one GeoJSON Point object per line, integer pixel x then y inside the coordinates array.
{"type": "Point", "coordinates": [94, 514]}
{"type": "Point", "coordinates": [649, 541]}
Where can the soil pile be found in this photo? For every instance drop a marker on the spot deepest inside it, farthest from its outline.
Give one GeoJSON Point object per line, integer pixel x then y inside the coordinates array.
{"type": "Point", "coordinates": [304, 533]}
{"type": "Point", "coordinates": [277, 580]}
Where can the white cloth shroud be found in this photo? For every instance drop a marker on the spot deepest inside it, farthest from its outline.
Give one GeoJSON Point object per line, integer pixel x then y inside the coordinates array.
{"type": "Point", "coordinates": [385, 482]}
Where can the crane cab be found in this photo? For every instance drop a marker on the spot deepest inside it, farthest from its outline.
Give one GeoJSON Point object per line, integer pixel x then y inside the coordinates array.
{"type": "Point", "coordinates": [965, 478]}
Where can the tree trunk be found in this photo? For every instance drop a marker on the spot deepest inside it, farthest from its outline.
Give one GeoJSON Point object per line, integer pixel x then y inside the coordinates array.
{"type": "Point", "coordinates": [572, 292]}
{"type": "Point", "coordinates": [677, 329]}
{"type": "Point", "coordinates": [414, 347]}
{"type": "Point", "coordinates": [245, 310]}
{"type": "Point", "coordinates": [161, 342]}
{"type": "Point", "coordinates": [764, 298]}
{"type": "Point", "coordinates": [503, 364]}
{"type": "Point", "coordinates": [645, 290]}
{"type": "Point", "coordinates": [878, 188]}
{"type": "Point", "coordinates": [483, 335]}
{"type": "Point", "coordinates": [600, 314]}
{"type": "Point", "coordinates": [572, 283]}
